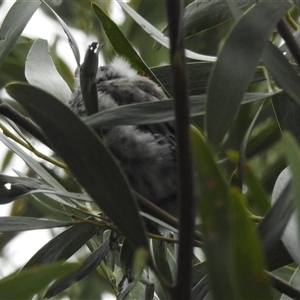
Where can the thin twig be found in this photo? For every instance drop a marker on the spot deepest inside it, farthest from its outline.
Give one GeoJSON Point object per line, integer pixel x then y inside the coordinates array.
{"type": "Point", "coordinates": [283, 287]}
{"type": "Point", "coordinates": [182, 289]}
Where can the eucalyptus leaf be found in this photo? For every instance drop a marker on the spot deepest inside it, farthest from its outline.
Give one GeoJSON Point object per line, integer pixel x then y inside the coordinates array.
{"type": "Point", "coordinates": [282, 71]}
{"type": "Point", "coordinates": [71, 39]}
{"type": "Point", "coordinates": [158, 36]}
{"type": "Point", "coordinates": [154, 112]}
{"type": "Point", "coordinates": [121, 45]}
{"type": "Point", "coordinates": [14, 23]}
{"type": "Point", "coordinates": [87, 157]}
{"type": "Point", "coordinates": [86, 267]}
{"type": "Point", "coordinates": [290, 235]}
{"type": "Point", "coordinates": [63, 245]}
{"type": "Point", "coordinates": [41, 72]}
{"type": "Point", "coordinates": [16, 224]}
{"type": "Point", "coordinates": [236, 64]}
{"type": "Point", "coordinates": [25, 284]}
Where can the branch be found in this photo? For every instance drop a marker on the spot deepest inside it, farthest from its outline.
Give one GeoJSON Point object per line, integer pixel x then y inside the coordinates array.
{"type": "Point", "coordinates": [182, 289]}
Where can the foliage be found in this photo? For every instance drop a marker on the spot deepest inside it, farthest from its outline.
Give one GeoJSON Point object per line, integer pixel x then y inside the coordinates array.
{"type": "Point", "coordinates": [244, 107]}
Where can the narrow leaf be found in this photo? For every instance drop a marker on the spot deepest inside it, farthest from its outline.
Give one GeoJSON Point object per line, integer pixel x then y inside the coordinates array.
{"type": "Point", "coordinates": [248, 266]}
{"type": "Point", "coordinates": [72, 41]}
{"type": "Point", "coordinates": [121, 45]}
{"type": "Point", "coordinates": [16, 224]}
{"type": "Point", "coordinates": [88, 265]}
{"type": "Point", "coordinates": [158, 36]}
{"type": "Point", "coordinates": [236, 64]}
{"type": "Point", "coordinates": [25, 284]}
{"type": "Point", "coordinates": [63, 245]}
{"type": "Point", "coordinates": [213, 209]}
{"type": "Point", "coordinates": [154, 112]}
{"type": "Point", "coordinates": [14, 23]}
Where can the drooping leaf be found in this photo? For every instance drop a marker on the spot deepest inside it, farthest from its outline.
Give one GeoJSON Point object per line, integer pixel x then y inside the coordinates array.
{"type": "Point", "coordinates": [235, 66]}
{"type": "Point", "coordinates": [41, 72]}
{"type": "Point", "coordinates": [14, 23]}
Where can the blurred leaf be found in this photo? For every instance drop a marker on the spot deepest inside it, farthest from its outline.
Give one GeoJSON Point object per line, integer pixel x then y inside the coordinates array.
{"type": "Point", "coordinates": [86, 267]}
{"type": "Point", "coordinates": [41, 72]}
{"type": "Point", "coordinates": [25, 284]}
{"type": "Point", "coordinates": [249, 275]}
{"type": "Point", "coordinates": [71, 40]}
{"type": "Point", "coordinates": [153, 112]}
{"type": "Point", "coordinates": [213, 209]}
{"type": "Point", "coordinates": [293, 157]}
{"type": "Point", "coordinates": [14, 224]}
{"type": "Point", "coordinates": [13, 25]}
{"type": "Point", "coordinates": [238, 58]}
{"type": "Point", "coordinates": [12, 69]}
{"type": "Point", "coordinates": [157, 35]}
{"type": "Point", "coordinates": [290, 237]}
{"type": "Point", "coordinates": [63, 245]}
{"type": "Point", "coordinates": [87, 157]}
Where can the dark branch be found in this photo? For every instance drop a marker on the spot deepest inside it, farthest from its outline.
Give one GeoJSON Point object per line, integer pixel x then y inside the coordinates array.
{"type": "Point", "coordinates": [182, 289]}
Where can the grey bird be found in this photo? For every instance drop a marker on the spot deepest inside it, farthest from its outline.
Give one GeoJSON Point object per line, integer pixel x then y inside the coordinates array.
{"type": "Point", "coordinates": [146, 153]}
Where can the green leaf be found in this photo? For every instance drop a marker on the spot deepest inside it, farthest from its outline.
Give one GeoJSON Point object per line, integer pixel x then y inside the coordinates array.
{"type": "Point", "coordinates": [41, 72]}
{"type": "Point", "coordinates": [213, 209]}
{"type": "Point", "coordinates": [63, 245]}
{"type": "Point", "coordinates": [25, 284]}
{"type": "Point", "coordinates": [282, 71]}
{"type": "Point", "coordinates": [199, 16]}
{"type": "Point", "coordinates": [15, 224]}
{"type": "Point", "coordinates": [87, 157]}
{"type": "Point", "coordinates": [153, 112]}
{"type": "Point", "coordinates": [158, 36]}
{"type": "Point", "coordinates": [86, 267]}
{"type": "Point", "coordinates": [14, 23]}
{"type": "Point", "coordinates": [236, 64]}
{"type": "Point", "coordinates": [248, 267]}
{"type": "Point", "coordinates": [121, 45]}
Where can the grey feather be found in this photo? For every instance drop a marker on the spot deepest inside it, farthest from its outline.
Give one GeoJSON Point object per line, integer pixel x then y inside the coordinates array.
{"type": "Point", "coordinates": [146, 153]}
